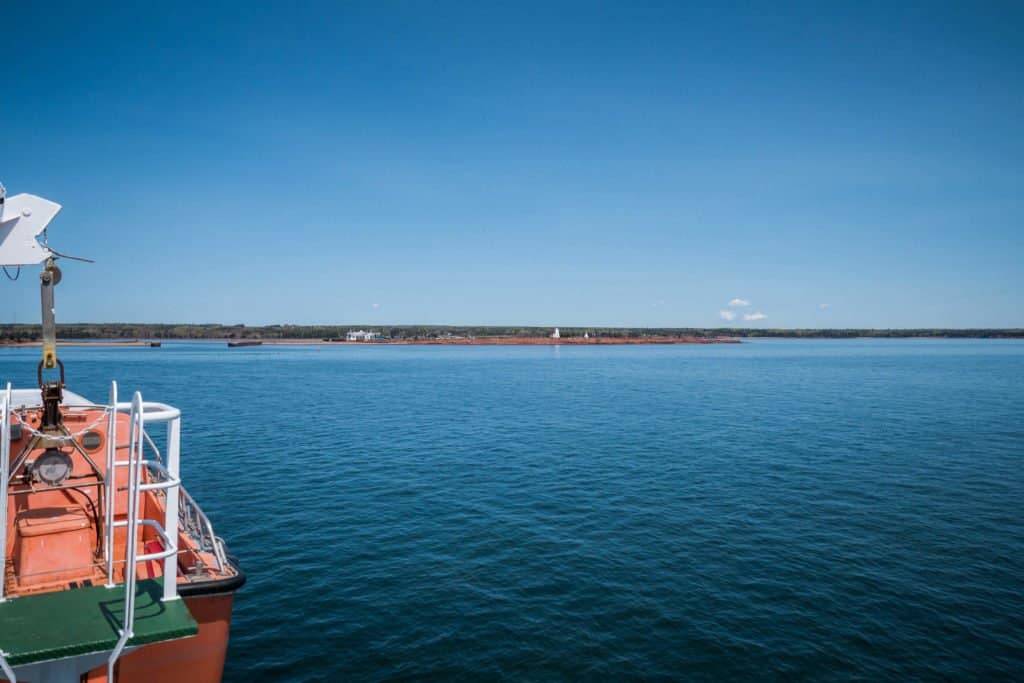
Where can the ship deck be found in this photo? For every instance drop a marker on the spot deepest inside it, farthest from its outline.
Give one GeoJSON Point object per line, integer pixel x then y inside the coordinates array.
{"type": "Point", "coordinates": [48, 626]}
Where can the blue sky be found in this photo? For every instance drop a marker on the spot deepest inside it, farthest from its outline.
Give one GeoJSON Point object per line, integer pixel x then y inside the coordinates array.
{"type": "Point", "coordinates": [831, 164]}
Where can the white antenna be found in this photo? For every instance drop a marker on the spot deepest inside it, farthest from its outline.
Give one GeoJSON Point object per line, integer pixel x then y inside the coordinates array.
{"type": "Point", "coordinates": [23, 217]}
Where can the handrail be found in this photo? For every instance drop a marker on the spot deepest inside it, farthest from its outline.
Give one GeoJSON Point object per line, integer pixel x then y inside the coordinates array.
{"type": "Point", "coordinates": [5, 466]}
{"type": "Point", "coordinates": [136, 421]}
{"type": "Point", "coordinates": [156, 451]}
{"type": "Point", "coordinates": [155, 525]}
{"type": "Point", "coordinates": [195, 521]}
{"type": "Point", "coordinates": [154, 411]}
{"type": "Point", "coordinates": [109, 490]}
{"type": "Point", "coordinates": [139, 413]}
{"type": "Point", "coordinates": [6, 667]}
{"type": "Point", "coordinates": [167, 479]}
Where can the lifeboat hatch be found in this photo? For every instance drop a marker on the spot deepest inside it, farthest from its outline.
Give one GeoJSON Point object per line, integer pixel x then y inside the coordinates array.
{"type": "Point", "coordinates": [49, 538]}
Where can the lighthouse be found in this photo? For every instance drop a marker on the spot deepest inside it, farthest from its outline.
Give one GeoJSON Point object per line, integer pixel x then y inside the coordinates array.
{"type": "Point", "coordinates": [556, 335]}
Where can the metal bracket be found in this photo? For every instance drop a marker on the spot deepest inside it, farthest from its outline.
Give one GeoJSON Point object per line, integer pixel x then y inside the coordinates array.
{"type": "Point", "coordinates": [53, 396]}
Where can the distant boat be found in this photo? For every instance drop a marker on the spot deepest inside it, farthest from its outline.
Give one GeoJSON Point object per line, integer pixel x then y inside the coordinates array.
{"type": "Point", "coordinates": [244, 343]}
{"type": "Point", "coordinates": [154, 345]}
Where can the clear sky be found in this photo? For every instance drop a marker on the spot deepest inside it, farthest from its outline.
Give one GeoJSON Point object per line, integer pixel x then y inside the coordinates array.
{"type": "Point", "coordinates": [831, 164]}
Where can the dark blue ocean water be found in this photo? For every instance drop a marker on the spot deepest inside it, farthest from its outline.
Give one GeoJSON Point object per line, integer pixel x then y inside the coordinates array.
{"type": "Point", "coordinates": [779, 509]}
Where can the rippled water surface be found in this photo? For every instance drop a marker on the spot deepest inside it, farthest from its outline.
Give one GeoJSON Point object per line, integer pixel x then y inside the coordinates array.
{"type": "Point", "coordinates": [776, 509]}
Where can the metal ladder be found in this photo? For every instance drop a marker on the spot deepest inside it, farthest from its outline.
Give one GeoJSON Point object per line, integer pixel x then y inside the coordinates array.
{"type": "Point", "coordinates": [169, 481]}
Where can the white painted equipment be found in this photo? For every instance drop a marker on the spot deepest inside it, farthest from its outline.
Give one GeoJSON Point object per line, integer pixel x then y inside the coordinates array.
{"type": "Point", "coordinates": [23, 217]}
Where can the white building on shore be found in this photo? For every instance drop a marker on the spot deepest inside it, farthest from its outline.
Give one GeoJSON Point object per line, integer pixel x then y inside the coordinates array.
{"type": "Point", "coordinates": [556, 334]}
{"type": "Point", "coordinates": [361, 336]}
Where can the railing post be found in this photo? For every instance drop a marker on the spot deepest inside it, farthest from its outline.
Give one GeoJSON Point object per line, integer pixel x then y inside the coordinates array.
{"type": "Point", "coordinates": [135, 430]}
{"type": "Point", "coordinates": [132, 540]}
{"type": "Point", "coordinates": [5, 467]}
{"type": "Point", "coordinates": [110, 491]}
{"type": "Point", "coordinates": [171, 500]}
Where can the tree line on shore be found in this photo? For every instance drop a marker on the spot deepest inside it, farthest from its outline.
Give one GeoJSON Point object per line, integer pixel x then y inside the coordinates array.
{"type": "Point", "coordinates": [124, 331]}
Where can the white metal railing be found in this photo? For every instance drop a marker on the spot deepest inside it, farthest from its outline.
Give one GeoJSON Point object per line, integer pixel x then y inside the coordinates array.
{"type": "Point", "coordinates": [109, 490]}
{"type": "Point", "coordinates": [5, 466]}
{"type": "Point", "coordinates": [192, 521]}
{"type": "Point", "coordinates": [197, 525]}
{"type": "Point", "coordinates": [139, 412]}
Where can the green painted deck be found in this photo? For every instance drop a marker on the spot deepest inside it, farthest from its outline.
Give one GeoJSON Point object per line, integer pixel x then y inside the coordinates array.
{"type": "Point", "coordinates": [38, 628]}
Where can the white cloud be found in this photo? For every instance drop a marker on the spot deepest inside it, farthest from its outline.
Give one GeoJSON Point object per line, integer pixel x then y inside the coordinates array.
{"type": "Point", "coordinates": [823, 306]}
{"type": "Point", "coordinates": [376, 305]}
{"type": "Point", "coordinates": [739, 302]}
{"type": "Point", "coordinates": [727, 315]}
{"type": "Point", "coordinates": [754, 316]}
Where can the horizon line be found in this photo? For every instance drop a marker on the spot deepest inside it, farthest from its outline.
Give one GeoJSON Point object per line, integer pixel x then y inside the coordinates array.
{"type": "Point", "coordinates": [509, 325]}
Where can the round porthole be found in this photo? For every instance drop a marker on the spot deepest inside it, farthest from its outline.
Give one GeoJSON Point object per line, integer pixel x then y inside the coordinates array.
{"type": "Point", "coordinates": [91, 441]}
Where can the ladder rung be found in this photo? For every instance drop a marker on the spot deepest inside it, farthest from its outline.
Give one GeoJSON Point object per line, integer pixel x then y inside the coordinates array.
{"type": "Point", "coordinates": [144, 461]}
{"type": "Point", "coordinates": [160, 485]}
{"type": "Point", "coordinates": [156, 556]}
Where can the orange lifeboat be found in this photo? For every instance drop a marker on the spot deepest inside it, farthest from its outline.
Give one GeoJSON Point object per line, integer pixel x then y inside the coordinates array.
{"type": "Point", "coordinates": [110, 570]}
{"type": "Point", "coordinates": [70, 519]}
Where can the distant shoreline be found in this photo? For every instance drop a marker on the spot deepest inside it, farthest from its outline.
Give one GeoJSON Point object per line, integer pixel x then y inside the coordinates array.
{"type": "Point", "coordinates": [481, 341]}
{"type": "Point", "coordinates": [86, 342]}
{"type": "Point", "coordinates": [444, 341]}
{"type": "Point", "coordinates": [120, 334]}
{"type": "Point", "coordinates": [491, 341]}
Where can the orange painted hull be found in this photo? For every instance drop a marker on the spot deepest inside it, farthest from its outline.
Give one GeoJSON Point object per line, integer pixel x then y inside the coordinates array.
{"type": "Point", "coordinates": [199, 659]}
